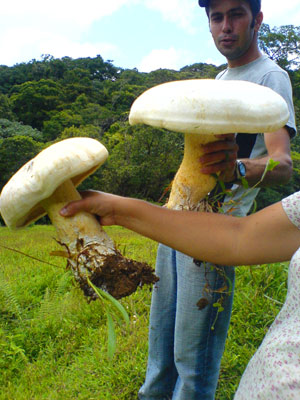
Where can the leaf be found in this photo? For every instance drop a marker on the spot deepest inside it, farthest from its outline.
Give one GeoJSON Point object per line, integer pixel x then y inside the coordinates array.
{"type": "Point", "coordinates": [254, 207]}
{"type": "Point", "coordinates": [111, 336]}
{"type": "Point", "coordinates": [245, 183]}
{"type": "Point", "coordinates": [222, 186]}
{"type": "Point", "coordinates": [118, 306]}
{"type": "Point", "coordinates": [222, 289]}
{"type": "Point", "coordinates": [202, 303]}
{"type": "Point", "coordinates": [220, 182]}
{"type": "Point", "coordinates": [107, 301]}
{"type": "Point", "coordinates": [272, 164]}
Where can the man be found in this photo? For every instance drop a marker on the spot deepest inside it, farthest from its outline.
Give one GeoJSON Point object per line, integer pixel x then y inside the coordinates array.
{"type": "Point", "coordinates": [187, 337]}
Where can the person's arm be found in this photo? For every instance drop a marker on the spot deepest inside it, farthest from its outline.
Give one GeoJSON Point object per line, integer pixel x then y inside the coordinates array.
{"type": "Point", "coordinates": [278, 147]}
{"type": "Point", "coordinates": [221, 156]}
{"type": "Point", "coordinates": [267, 236]}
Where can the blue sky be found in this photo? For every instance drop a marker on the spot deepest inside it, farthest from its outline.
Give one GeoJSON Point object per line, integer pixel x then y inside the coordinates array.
{"type": "Point", "coordinates": [142, 34]}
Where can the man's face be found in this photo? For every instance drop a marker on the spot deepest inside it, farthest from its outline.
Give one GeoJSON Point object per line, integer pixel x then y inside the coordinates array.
{"type": "Point", "coordinates": [230, 24]}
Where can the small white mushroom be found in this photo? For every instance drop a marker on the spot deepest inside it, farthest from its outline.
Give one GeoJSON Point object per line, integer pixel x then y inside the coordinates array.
{"type": "Point", "coordinates": [203, 109]}
{"type": "Point", "coordinates": [47, 183]}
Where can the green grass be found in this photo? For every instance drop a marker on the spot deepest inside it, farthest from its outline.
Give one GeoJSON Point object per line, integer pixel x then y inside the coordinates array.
{"type": "Point", "coordinates": [53, 343]}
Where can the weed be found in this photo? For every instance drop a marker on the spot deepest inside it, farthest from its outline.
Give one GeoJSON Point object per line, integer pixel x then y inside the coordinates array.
{"type": "Point", "coordinates": [53, 344]}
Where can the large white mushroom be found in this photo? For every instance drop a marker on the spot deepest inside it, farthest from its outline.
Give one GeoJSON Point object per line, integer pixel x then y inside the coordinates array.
{"type": "Point", "coordinates": [47, 183]}
{"type": "Point", "coordinates": [203, 109]}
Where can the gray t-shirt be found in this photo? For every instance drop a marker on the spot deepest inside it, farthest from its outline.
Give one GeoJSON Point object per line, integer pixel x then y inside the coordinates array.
{"type": "Point", "coordinates": [266, 72]}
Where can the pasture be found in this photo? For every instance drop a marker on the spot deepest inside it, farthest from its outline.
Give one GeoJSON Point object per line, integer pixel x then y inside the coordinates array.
{"type": "Point", "coordinates": [53, 344]}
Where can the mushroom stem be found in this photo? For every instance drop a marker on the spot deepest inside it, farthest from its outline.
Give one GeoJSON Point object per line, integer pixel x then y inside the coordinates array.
{"type": "Point", "coordinates": [38, 188]}
{"type": "Point", "coordinates": [81, 226]}
{"type": "Point", "coordinates": [91, 252]}
{"type": "Point", "coordinates": [190, 185]}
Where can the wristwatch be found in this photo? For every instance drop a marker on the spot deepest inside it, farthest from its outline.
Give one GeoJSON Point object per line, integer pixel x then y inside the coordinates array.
{"type": "Point", "coordinates": [240, 170]}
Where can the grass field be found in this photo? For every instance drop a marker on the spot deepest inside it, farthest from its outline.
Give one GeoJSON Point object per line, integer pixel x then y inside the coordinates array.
{"type": "Point", "coordinates": [53, 343]}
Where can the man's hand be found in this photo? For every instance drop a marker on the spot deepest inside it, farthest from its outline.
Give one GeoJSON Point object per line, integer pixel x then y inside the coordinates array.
{"type": "Point", "coordinates": [220, 156]}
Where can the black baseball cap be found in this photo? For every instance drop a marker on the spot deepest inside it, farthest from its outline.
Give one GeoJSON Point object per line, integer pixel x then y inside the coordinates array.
{"type": "Point", "coordinates": [254, 4]}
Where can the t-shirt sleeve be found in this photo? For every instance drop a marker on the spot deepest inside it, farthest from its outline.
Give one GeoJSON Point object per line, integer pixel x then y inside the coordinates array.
{"type": "Point", "coordinates": [291, 206]}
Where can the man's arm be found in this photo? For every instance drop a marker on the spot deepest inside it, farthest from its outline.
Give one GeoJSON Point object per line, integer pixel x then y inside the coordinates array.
{"type": "Point", "coordinates": [221, 156]}
{"type": "Point", "coordinates": [278, 147]}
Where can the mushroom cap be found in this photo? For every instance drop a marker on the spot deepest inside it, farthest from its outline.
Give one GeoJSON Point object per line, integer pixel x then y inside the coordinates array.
{"type": "Point", "coordinates": [208, 106]}
{"type": "Point", "coordinates": [74, 158]}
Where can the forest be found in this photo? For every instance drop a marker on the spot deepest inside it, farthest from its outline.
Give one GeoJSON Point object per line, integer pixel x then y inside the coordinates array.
{"type": "Point", "coordinates": [47, 100]}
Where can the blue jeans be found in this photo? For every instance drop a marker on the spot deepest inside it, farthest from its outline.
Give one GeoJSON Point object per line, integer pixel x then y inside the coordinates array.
{"type": "Point", "coordinates": [186, 343]}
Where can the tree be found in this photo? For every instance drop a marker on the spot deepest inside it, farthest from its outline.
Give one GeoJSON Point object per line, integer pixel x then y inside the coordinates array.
{"type": "Point", "coordinates": [133, 77]}
{"type": "Point", "coordinates": [6, 108]}
{"type": "Point", "coordinates": [90, 131]}
{"type": "Point", "coordinates": [142, 161]}
{"type": "Point", "coordinates": [76, 82]}
{"type": "Point", "coordinates": [10, 129]}
{"type": "Point", "coordinates": [54, 99]}
{"type": "Point", "coordinates": [15, 151]}
{"type": "Point", "coordinates": [93, 113]}
{"type": "Point", "coordinates": [58, 122]}
{"type": "Point", "coordinates": [200, 70]}
{"type": "Point", "coordinates": [281, 44]}
{"type": "Point", "coordinates": [32, 101]}
{"type": "Point", "coordinates": [161, 76]}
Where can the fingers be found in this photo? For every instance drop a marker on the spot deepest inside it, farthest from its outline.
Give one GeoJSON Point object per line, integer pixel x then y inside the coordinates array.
{"type": "Point", "coordinates": [85, 204]}
{"type": "Point", "coordinates": [220, 156]}
{"type": "Point", "coordinates": [224, 156]}
{"type": "Point", "coordinates": [221, 146]}
{"type": "Point", "coordinates": [219, 167]}
{"type": "Point", "coordinates": [98, 203]}
{"type": "Point", "coordinates": [74, 207]}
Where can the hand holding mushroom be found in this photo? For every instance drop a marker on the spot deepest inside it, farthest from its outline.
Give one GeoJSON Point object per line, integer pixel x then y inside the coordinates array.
{"type": "Point", "coordinates": [203, 109]}
{"type": "Point", "coordinates": [48, 182]}
{"type": "Point", "coordinates": [220, 157]}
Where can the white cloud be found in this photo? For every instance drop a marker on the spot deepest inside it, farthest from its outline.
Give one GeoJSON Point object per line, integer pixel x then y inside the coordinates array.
{"type": "Point", "coordinates": [25, 44]}
{"type": "Point", "coordinates": [286, 14]}
{"type": "Point", "coordinates": [31, 28]}
{"type": "Point", "coordinates": [77, 12]}
{"type": "Point", "coordinates": [181, 12]}
{"type": "Point", "coordinates": [164, 58]}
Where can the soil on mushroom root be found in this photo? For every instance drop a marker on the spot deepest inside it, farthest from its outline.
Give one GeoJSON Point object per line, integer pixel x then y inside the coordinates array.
{"type": "Point", "coordinates": [118, 275]}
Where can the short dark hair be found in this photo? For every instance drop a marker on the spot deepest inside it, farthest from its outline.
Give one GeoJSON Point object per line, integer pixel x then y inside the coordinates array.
{"type": "Point", "coordinates": [255, 6]}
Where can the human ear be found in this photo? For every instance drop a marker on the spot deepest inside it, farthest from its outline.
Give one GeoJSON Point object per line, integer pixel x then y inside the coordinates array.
{"type": "Point", "coordinates": [258, 21]}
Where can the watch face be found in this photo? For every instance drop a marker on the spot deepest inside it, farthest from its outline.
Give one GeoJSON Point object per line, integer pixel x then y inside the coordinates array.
{"type": "Point", "coordinates": [242, 169]}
